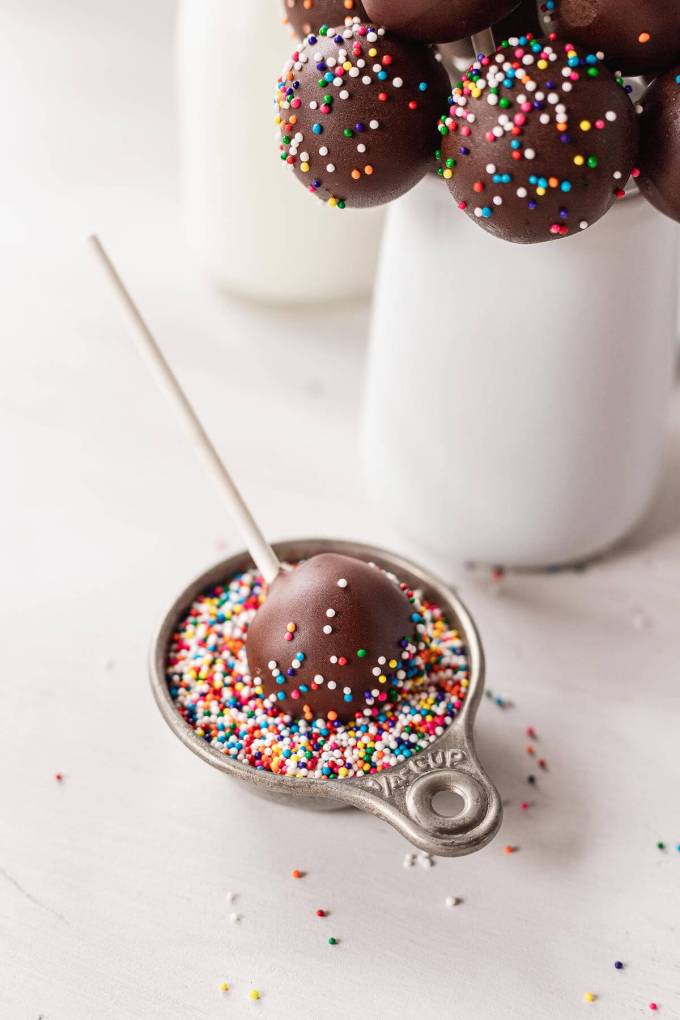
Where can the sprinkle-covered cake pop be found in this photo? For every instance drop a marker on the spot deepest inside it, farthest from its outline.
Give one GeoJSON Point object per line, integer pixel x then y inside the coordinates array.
{"type": "Point", "coordinates": [659, 179]}
{"type": "Point", "coordinates": [357, 109]}
{"type": "Point", "coordinates": [331, 632]}
{"type": "Point", "coordinates": [437, 20]}
{"type": "Point", "coordinates": [538, 142]}
{"type": "Point", "coordinates": [305, 16]}
{"type": "Point", "coordinates": [210, 683]}
{"type": "Point", "coordinates": [635, 36]}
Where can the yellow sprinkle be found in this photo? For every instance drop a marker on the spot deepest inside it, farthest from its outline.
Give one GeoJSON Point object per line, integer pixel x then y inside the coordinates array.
{"type": "Point", "coordinates": [224, 987]}
{"type": "Point", "coordinates": [542, 64]}
{"type": "Point", "coordinates": [393, 663]}
{"type": "Point", "coordinates": [373, 52]}
{"type": "Point", "coordinates": [332, 201]}
{"type": "Point", "coordinates": [304, 167]}
{"type": "Point", "coordinates": [589, 997]}
{"type": "Point", "coordinates": [579, 160]}
{"type": "Point", "coordinates": [253, 994]}
{"type": "Point", "coordinates": [585, 125]}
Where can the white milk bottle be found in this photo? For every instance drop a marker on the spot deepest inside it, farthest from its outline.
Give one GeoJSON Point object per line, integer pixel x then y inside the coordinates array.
{"type": "Point", "coordinates": [517, 395]}
{"type": "Point", "coordinates": [252, 225]}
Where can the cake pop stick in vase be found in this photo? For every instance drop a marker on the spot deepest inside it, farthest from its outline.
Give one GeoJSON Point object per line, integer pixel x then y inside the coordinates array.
{"type": "Point", "coordinates": [263, 555]}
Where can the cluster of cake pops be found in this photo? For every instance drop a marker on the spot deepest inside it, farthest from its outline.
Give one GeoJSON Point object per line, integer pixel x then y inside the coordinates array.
{"type": "Point", "coordinates": [536, 140]}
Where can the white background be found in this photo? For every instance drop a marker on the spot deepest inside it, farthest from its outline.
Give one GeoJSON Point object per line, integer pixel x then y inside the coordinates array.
{"type": "Point", "coordinates": [113, 883]}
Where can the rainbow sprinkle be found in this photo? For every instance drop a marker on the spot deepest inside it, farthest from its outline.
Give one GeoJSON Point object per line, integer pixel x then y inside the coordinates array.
{"type": "Point", "coordinates": [208, 679]}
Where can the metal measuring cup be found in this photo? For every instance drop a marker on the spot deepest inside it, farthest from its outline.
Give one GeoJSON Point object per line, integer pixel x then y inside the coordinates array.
{"type": "Point", "coordinates": [401, 795]}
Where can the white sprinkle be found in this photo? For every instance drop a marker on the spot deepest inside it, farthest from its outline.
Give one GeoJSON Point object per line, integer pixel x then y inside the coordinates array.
{"type": "Point", "coordinates": [452, 901]}
{"type": "Point", "coordinates": [235, 918]}
{"type": "Point", "coordinates": [374, 124]}
{"type": "Point", "coordinates": [272, 664]}
{"type": "Point", "coordinates": [342, 583]}
{"type": "Point", "coordinates": [330, 613]}
{"type": "Point", "coordinates": [318, 679]}
{"type": "Point", "coordinates": [333, 659]}
{"type": "Point", "coordinates": [331, 685]}
{"type": "Point", "coordinates": [397, 82]}
{"type": "Point", "coordinates": [328, 629]}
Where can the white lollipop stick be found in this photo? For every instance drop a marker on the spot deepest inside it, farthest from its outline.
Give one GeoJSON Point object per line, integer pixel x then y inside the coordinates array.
{"type": "Point", "coordinates": [484, 42]}
{"type": "Point", "coordinates": [264, 556]}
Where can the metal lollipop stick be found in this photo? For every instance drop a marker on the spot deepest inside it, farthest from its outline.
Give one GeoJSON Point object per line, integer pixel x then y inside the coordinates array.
{"type": "Point", "coordinates": [262, 553]}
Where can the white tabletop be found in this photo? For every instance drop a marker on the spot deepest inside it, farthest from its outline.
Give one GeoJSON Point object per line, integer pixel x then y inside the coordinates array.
{"type": "Point", "coordinates": [114, 881]}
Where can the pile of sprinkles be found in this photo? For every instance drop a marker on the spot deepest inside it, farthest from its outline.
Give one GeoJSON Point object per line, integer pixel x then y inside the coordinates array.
{"type": "Point", "coordinates": [209, 682]}
{"type": "Point", "coordinates": [539, 140]}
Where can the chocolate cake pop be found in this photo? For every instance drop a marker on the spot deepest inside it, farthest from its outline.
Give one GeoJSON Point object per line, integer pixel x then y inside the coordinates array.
{"type": "Point", "coordinates": [636, 36]}
{"type": "Point", "coordinates": [659, 179]}
{"type": "Point", "coordinates": [332, 635]}
{"type": "Point", "coordinates": [538, 142]}
{"type": "Point", "coordinates": [358, 109]}
{"type": "Point", "coordinates": [305, 16]}
{"type": "Point", "coordinates": [437, 20]}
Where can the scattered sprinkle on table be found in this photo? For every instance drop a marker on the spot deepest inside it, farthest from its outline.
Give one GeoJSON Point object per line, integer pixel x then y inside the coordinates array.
{"type": "Point", "coordinates": [321, 913]}
{"type": "Point", "coordinates": [589, 997]}
{"type": "Point", "coordinates": [524, 805]}
{"type": "Point", "coordinates": [224, 987]}
{"type": "Point", "coordinates": [660, 845]}
{"type": "Point", "coordinates": [452, 901]}
{"type": "Point", "coordinates": [235, 918]}
{"type": "Point", "coordinates": [297, 874]}
{"type": "Point", "coordinates": [333, 941]}
{"type": "Point", "coordinates": [59, 776]}
{"type": "Point", "coordinates": [653, 1006]}
{"type": "Point", "coordinates": [531, 733]}
{"type": "Point", "coordinates": [253, 994]}
{"type": "Point", "coordinates": [510, 849]}
{"type": "Point", "coordinates": [618, 965]}
{"type": "Point", "coordinates": [409, 860]}
{"type": "Point", "coordinates": [531, 780]}
{"type": "Point", "coordinates": [230, 897]}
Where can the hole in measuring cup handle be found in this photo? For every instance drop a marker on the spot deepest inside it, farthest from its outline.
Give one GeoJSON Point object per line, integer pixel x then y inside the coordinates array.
{"type": "Point", "coordinates": [420, 795]}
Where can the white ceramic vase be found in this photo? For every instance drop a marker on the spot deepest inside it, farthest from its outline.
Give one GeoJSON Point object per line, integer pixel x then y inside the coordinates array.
{"type": "Point", "coordinates": [517, 396]}
{"type": "Point", "coordinates": [253, 227]}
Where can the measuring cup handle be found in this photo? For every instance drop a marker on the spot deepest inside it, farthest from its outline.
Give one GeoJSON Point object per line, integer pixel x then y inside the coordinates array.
{"type": "Point", "coordinates": [403, 797]}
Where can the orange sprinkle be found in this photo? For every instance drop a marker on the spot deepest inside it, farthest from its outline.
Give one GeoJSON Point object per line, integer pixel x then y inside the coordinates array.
{"type": "Point", "coordinates": [509, 849]}
{"type": "Point", "coordinates": [644, 37]}
{"type": "Point", "coordinates": [296, 873]}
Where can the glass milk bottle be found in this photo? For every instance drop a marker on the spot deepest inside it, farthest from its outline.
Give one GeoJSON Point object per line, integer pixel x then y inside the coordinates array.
{"type": "Point", "coordinates": [254, 228]}
{"type": "Point", "coordinates": [517, 395]}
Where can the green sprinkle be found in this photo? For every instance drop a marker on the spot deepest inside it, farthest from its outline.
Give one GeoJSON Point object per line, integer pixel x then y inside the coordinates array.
{"type": "Point", "coordinates": [362, 653]}
{"type": "Point", "coordinates": [332, 941]}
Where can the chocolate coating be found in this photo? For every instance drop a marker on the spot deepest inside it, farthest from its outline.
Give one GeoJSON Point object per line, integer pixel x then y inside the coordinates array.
{"type": "Point", "coordinates": [358, 112]}
{"type": "Point", "coordinates": [305, 16]}
{"type": "Point", "coordinates": [538, 142]}
{"type": "Point", "coordinates": [659, 179]}
{"type": "Point", "coordinates": [636, 36]}
{"type": "Point", "coordinates": [437, 20]}
{"type": "Point", "coordinates": [522, 21]}
{"type": "Point", "coordinates": [366, 619]}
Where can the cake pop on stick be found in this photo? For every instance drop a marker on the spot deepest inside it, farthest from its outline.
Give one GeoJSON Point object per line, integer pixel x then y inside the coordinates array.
{"type": "Point", "coordinates": [306, 16]}
{"type": "Point", "coordinates": [263, 555]}
{"type": "Point", "coordinates": [635, 36]}
{"type": "Point", "coordinates": [437, 21]}
{"type": "Point", "coordinates": [357, 109]}
{"type": "Point", "coordinates": [539, 141]}
{"type": "Point", "coordinates": [335, 635]}
{"type": "Point", "coordinates": [659, 179]}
